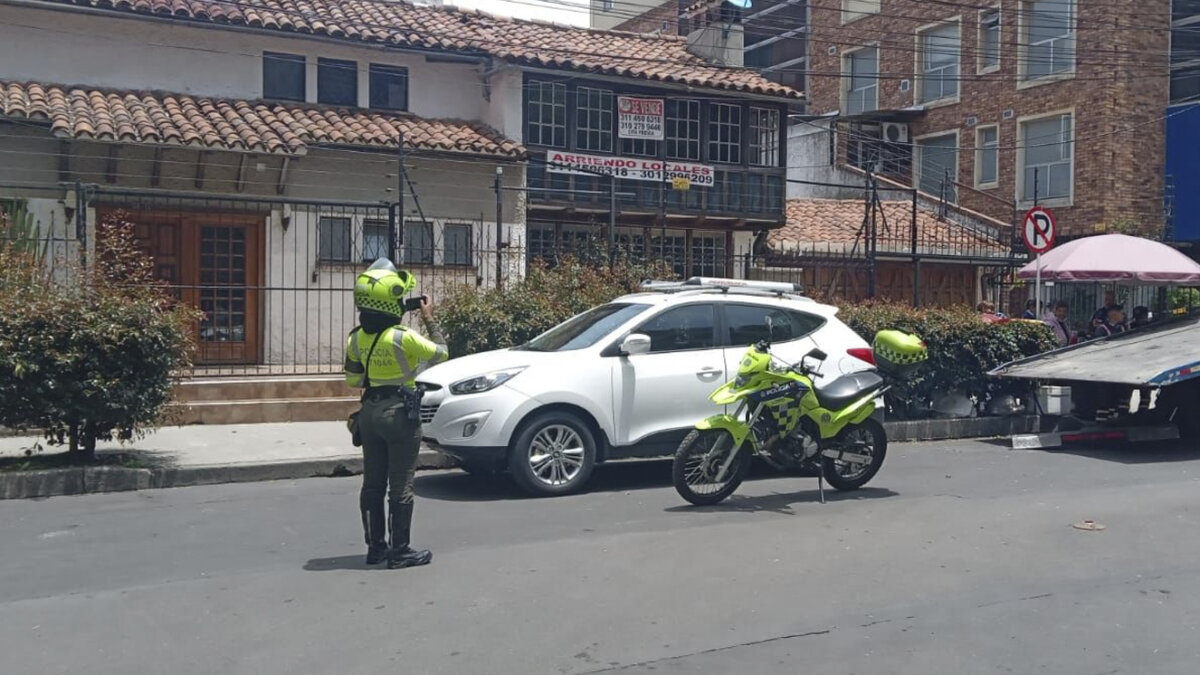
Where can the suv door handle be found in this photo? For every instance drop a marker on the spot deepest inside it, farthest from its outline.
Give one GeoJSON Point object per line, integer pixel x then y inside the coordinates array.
{"type": "Point", "coordinates": [706, 372]}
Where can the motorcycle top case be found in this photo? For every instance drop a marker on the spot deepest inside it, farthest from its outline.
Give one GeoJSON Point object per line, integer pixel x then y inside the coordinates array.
{"type": "Point", "coordinates": [897, 353]}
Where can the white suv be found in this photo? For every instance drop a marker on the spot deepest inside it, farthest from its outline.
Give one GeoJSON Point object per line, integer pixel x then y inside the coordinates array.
{"type": "Point", "coordinates": [625, 379]}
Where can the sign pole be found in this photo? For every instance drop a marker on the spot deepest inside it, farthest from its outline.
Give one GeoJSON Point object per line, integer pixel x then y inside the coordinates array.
{"type": "Point", "coordinates": [1037, 289]}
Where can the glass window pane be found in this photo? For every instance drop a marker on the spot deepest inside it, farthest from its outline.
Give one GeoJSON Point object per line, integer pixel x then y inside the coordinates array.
{"type": "Point", "coordinates": [333, 239]}
{"type": "Point", "coordinates": [389, 87]}
{"type": "Point", "coordinates": [283, 76]}
{"type": "Point", "coordinates": [375, 240]}
{"type": "Point", "coordinates": [458, 244]}
{"type": "Point", "coordinates": [939, 162]}
{"type": "Point", "coordinates": [418, 243]}
{"type": "Point", "coordinates": [682, 328]}
{"type": "Point", "coordinates": [337, 82]}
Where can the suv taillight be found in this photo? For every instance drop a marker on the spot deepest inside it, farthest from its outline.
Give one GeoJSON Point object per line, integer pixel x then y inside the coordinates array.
{"type": "Point", "coordinates": [862, 354]}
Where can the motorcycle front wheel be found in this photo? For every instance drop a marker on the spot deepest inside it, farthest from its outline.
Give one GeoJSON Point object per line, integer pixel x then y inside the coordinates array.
{"type": "Point", "coordinates": [698, 463]}
{"type": "Point", "coordinates": [867, 439]}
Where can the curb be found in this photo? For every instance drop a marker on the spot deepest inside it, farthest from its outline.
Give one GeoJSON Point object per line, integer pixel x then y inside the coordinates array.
{"type": "Point", "coordinates": [97, 479]}
{"type": "Point", "coordinates": [965, 428]}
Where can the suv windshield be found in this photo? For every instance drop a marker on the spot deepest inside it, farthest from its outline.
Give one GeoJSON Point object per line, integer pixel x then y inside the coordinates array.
{"type": "Point", "coordinates": [584, 330]}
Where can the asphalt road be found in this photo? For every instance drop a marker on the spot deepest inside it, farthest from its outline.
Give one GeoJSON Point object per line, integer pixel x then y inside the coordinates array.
{"type": "Point", "coordinates": [959, 558]}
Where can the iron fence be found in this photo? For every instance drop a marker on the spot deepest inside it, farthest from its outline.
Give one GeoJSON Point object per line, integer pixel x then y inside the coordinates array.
{"type": "Point", "coordinates": [273, 277]}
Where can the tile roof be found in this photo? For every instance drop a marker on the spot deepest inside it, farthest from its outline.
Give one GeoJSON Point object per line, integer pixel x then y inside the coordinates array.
{"type": "Point", "coordinates": [832, 227]}
{"type": "Point", "coordinates": [402, 24]}
{"type": "Point", "coordinates": [247, 126]}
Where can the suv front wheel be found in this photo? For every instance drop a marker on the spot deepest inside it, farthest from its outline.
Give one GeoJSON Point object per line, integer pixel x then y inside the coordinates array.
{"type": "Point", "coordinates": [553, 455]}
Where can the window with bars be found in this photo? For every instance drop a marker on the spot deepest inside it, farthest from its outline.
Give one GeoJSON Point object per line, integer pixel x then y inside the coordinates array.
{"type": "Point", "coordinates": [639, 147]}
{"type": "Point", "coordinates": [708, 255]}
{"type": "Point", "coordinates": [418, 243]}
{"type": "Point", "coordinates": [375, 240]}
{"type": "Point", "coordinates": [861, 70]}
{"type": "Point", "coordinates": [546, 114]}
{"type": "Point", "coordinates": [1185, 51]}
{"type": "Point", "coordinates": [671, 250]}
{"type": "Point", "coordinates": [333, 239]}
{"type": "Point", "coordinates": [1046, 158]}
{"type": "Point", "coordinates": [764, 137]}
{"type": "Point", "coordinates": [1048, 38]}
{"type": "Point", "coordinates": [939, 58]}
{"type": "Point", "coordinates": [457, 238]}
{"type": "Point", "coordinates": [725, 133]}
{"type": "Point", "coordinates": [593, 119]}
{"type": "Point", "coordinates": [683, 130]}
{"type": "Point", "coordinates": [539, 241]}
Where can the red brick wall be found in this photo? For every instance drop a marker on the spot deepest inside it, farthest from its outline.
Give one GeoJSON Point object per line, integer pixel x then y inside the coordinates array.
{"type": "Point", "coordinates": [1120, 83]}
{"type": "Point", "coordinates": [653, 20]}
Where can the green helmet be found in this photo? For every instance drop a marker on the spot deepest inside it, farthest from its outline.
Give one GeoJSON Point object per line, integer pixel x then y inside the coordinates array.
{"type": "Point", "coordinates": [382, 287]}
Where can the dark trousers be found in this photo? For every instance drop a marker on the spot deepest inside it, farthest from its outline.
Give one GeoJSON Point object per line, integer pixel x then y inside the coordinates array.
{"type": "Point", "coordinates": [390, 443]}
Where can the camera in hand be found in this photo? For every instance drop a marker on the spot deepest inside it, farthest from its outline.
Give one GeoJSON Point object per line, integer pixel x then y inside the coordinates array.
{"type": "Point", "coordinates": [413, 304]}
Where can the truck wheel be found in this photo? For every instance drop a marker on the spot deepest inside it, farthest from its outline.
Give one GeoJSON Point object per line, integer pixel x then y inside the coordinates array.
{"type": "Point", "coordinates": [553, 455]}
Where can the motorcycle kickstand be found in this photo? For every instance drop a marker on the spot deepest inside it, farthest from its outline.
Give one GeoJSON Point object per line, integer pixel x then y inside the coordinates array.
{"type": "Point", "coordinates": [821, 481]}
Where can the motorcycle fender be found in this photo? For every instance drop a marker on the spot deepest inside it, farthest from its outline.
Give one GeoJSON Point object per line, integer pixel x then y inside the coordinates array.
{"type": "Point", "coordinates": [736, 428]}
{"type": "Point", "coordinates": [855, 413]}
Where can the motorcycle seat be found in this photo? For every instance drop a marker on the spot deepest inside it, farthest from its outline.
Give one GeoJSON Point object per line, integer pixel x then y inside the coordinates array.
{"type": "Point", "coordinates": [841, 392]}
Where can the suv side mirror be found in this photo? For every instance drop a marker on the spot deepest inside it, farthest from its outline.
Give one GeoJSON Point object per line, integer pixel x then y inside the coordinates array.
{"type": "Point", "coordinates": [817, 354]}
{"type": "Point", "coordinates": [635, 343]}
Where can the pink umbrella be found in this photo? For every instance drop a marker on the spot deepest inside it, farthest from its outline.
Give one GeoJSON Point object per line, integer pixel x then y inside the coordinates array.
{"type": "Point", "coordinates": [1115, 257]}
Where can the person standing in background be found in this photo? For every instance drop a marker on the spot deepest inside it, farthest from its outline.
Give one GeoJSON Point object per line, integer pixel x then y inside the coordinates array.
{"type": "Point", "coordinates": [1057, 321]}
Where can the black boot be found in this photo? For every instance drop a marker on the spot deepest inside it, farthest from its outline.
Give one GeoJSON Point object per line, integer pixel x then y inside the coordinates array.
{"type": "Point", "coordinates": [401, 554]}
{"type": "Point", "coordinates": [375, 533]}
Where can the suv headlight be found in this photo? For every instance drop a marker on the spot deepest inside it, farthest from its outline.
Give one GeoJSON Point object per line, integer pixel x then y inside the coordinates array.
{"type": "Point", "coordinates": [485, 382]}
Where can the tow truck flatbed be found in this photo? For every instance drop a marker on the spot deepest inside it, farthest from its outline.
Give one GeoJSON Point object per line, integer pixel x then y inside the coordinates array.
{"type": "Point", "coordinates": [1142, 362]}
{"type": "Point", "coordinates": [1156, 356]}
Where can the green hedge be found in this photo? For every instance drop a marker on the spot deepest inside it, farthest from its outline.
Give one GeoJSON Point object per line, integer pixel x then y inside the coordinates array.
{"type": "Point", "coordinates": [962, 348]}
{"type": "Point", "coordinates": [477, 321]}
{"type": "Point", "coordinates": [87, 354]}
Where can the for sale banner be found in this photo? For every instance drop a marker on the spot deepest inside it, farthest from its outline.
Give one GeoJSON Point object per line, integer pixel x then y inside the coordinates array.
{"type": "Point", "coordinates": [630, 168]}
{"type": "Point", "coordinates": [640, 118]}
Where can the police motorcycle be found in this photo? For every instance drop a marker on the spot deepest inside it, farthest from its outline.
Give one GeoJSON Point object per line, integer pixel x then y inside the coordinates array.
{"type": "Point", "coordinates": [785, 414]}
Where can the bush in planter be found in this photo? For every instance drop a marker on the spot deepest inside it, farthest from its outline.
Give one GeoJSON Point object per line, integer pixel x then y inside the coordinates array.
{"type": "Point", "coordinates": [476, 321]}
{"type": "Point", "coordinates": [962, 348]}
{"type": "Point", "coordinates": [88, 354]}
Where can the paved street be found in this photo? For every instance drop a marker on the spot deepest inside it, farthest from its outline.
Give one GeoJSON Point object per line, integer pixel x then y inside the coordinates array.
{"type": "Point", "coordinates": [959, 558]}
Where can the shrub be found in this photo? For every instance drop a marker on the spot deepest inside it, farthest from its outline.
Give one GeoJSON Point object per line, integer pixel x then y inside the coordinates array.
{"type": "Point", "coordinates": [476, 321]}
{"type": "Point", "coordinates": [87, 354]}
{"type": "Point", "coordinates": [962, 348]}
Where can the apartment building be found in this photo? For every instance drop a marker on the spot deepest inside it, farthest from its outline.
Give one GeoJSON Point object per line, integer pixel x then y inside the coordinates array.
{"type": "Point", "coordinates": [996, 105]}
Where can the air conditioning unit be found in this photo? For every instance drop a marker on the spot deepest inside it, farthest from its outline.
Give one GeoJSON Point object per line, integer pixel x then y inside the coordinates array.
{"type": "Point", "coordinates": [894, 132]}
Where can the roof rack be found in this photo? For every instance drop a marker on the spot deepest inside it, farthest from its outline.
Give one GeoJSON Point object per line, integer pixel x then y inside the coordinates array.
{"type": "Point", "coordinates": [714, 284]}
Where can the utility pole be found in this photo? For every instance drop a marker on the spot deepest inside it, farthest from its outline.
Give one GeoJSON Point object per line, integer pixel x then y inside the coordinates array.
{"type": "Point", "coordinates": [499, 187]}
{"type": "Point", "coordinates": [396, 221]}
{"type": "Point", "coordinates": [916, 260]}
{"type": "Point", "coordinates": [612, 218]}
{"type": "Point", "coordinates": [872, 234]}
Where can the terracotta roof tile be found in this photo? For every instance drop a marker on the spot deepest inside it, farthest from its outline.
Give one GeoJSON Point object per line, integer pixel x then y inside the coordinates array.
{"type": "Point", "coordinates": [403, 24]}
{"type": "Point", "coordinates": [834, 226]}
{"type": "Point", "coordinates": [247, 126]}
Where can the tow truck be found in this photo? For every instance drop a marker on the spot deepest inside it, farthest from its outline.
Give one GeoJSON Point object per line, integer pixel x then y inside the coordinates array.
{"type": "Point", "coordinates": [1141, 385]}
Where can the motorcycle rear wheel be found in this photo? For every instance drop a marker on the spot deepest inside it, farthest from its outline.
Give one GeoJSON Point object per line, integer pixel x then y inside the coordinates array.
{"type": "Point", "coordinates": [696, 466]}
{"type": "Point", "coordinates": [865, 438]}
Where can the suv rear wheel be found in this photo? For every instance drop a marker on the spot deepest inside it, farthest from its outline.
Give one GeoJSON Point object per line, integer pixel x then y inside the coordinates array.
{"type": "Point", "coordinates": [553, 455]}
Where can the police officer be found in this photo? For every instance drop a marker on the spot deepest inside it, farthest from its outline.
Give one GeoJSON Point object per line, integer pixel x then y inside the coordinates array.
{"type": "Point", "coordinates": [383, 358]}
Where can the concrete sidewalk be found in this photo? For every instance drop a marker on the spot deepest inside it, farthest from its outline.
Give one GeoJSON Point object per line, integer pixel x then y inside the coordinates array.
{"type": "Point", "coordinates": [198, 455]}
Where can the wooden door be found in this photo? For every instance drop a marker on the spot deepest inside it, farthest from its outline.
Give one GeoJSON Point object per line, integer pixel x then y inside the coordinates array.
{"type": "Point", "coordinates": [227, 286]}
{"type": "Point", "coordinates": [213, 262]}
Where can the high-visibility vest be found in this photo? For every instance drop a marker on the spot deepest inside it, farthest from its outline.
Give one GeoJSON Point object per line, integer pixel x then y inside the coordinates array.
{"type": "Point", "coordinates": [395, 361]}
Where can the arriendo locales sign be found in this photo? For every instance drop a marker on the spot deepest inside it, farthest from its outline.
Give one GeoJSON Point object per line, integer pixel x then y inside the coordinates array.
{"type": "Point", "coordinates": [640, 118]}
{"type": "Point", "coordinates": [629, 168]}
